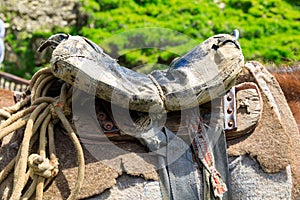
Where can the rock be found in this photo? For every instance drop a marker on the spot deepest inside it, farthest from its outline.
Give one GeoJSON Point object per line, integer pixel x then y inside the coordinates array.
{"type": "Point", "coordinates": [24, 17]}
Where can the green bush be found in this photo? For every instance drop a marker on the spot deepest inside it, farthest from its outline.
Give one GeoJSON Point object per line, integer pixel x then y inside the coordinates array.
{"type": "Point", "coordinates": [127, 29]}
{"type": "Point", "coordinates": [269, 29]}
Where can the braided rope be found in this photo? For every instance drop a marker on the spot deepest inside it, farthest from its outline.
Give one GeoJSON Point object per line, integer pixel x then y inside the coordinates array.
{"type": "Point", "coordinates": [201, 146]}
{"type": "Point", "coordinates": [39, 114]}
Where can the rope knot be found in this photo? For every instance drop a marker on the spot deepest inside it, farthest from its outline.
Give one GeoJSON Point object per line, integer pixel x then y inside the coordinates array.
{"type": "Point", "coordinates": [67, 111]}
{"type": "Point", "coordinates": [42, 166]}
{"type": "Point", "coordinates": [52, 111]}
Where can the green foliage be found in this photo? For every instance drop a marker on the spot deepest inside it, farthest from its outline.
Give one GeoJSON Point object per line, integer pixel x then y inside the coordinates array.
{"type": "Point", "coordinates": [269, 29]}
{"type": "Point", "coordinates": [141, 32]}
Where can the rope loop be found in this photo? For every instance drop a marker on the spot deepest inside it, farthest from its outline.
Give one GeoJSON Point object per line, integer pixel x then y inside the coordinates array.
{"type": "Point", "coordinates": [39, 113]}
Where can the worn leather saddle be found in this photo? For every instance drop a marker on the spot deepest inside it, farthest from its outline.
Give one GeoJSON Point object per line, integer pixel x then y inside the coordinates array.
{"type": "Point", "coordinates": [252, 119]}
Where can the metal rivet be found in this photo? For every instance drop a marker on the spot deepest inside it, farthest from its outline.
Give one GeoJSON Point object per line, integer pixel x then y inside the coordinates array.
{"type": "Point", "coordinates": [230, 124]}
{"type": "Point", "coordinates": [229, 98]}
{"type": "Point", "coordinates": [101, 116]}
{"type": "Point", "coordinates": [229, 110]}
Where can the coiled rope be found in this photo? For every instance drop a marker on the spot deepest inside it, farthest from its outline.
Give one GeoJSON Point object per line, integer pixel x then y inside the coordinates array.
{"type": "Point", "coordinates": [39, 114]}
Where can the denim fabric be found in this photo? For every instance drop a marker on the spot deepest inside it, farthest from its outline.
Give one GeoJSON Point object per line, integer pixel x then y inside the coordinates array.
{"type": "Point", "coordinates": [181, 170]}
{"type": "Point", "coordinates": [217, 142]}
{"type": "Point", "coordinates": [221, 161]}
{"type": "Point", "coordinates": [180, 179]}
{"type": "Point", "coordinates": [178, 174]}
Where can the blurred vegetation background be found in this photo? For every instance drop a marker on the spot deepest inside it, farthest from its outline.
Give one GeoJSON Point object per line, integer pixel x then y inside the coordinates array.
{"type": "Point", "coordinates": [140, 33]}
